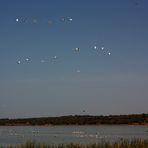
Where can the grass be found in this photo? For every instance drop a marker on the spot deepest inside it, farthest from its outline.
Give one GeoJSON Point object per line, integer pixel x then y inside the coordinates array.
{"type": "Point", "coordinates": [135, 143]}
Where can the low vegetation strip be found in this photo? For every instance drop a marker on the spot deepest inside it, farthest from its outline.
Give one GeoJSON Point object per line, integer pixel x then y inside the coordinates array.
{"type": "Point", "coordinates": [136, 143]}
{"type": "Point", "coordinates": [140, 119]}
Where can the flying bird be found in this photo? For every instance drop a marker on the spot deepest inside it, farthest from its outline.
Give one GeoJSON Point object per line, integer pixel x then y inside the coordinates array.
{"type": "Point", "coordinates": [18, 62]}
{"type": "Point", "coordinates": [76, 49]}
{"type": "Point", "coordinates": [27, 59]}
{"type": "Point", "coordinates": [95, 47]}
{"type": "Point", "coordinates": [16, 19]}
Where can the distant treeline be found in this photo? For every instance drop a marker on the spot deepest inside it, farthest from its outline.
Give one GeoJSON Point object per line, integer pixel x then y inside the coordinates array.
{"type": "Point", "coordinates": [138, 119]}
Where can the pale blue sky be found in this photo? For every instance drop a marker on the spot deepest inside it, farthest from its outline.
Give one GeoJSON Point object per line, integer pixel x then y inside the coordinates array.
{"type": "Point", "coordinates": [89, 80]}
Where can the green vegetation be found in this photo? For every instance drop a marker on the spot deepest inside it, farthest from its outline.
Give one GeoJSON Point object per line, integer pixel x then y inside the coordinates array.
{"type": "Point", "coordinates": [140, 119]}
{"type": "Point", "coordinates": [137, 143]}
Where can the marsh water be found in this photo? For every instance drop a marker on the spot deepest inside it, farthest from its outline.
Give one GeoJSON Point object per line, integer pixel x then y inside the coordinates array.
{"type": "Point", "coordinates": [12, 135]}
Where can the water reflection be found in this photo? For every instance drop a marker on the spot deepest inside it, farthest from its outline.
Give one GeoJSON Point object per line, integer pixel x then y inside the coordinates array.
{"type": "Point", "coordinates": [67, 134]}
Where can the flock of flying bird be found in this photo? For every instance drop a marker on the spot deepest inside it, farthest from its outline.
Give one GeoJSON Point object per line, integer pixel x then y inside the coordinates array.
{"type": "Point", "coordinates": [54, 58]}
{"type": "Point", "coordinates": [33, 20]}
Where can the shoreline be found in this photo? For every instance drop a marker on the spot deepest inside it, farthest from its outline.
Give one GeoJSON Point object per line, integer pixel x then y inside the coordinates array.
{"type": "Point", "coordinates": [132, 119]}
{"type": "Point", "coordinates": [76, 125]}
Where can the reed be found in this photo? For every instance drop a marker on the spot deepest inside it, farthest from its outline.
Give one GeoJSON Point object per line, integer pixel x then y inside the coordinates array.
{"type": "Point", "coordinates": [135, 143]}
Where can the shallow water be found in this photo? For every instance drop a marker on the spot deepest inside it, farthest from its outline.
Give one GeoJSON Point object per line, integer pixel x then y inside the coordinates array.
{"type": "Point", "coordinates": [66, 134]}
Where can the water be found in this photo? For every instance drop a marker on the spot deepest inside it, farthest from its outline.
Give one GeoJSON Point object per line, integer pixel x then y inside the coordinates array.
{"type": "Point", "coordinates": [66, 134]}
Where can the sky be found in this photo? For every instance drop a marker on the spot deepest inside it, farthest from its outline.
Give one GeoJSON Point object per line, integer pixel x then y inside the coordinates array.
{"type": "Point", "coordinates": [73, 57]}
